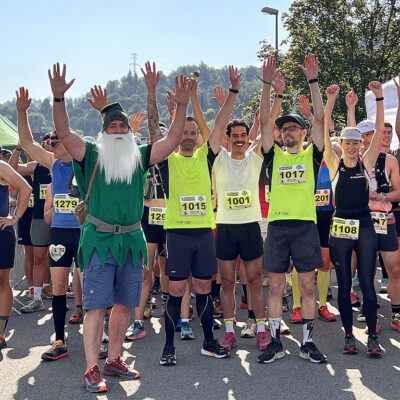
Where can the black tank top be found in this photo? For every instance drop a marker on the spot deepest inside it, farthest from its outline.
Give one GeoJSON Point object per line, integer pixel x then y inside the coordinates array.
{"type": "Point", "coordinates": [351, 190]}
{"type": "Point", "coordinates": [41, 176]}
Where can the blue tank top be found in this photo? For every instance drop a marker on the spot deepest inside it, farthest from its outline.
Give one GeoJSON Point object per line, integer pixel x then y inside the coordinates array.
{"type": "Point", "coordinates": [324, 183]}
{"type": "Point", "coordinates": [62, 172]}
{"type": "Point", "coordinates": [4, 204]}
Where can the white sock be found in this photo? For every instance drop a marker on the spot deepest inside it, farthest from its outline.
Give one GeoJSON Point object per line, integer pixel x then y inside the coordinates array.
{"type": "Point", "coordinates": [185, 320]}
{"type": "Point", "coordinates": [45, 284]}
{"type": "Point", "coordinates": [37, 292]}
{"type": "Point", "coordinates": [229, 326]}
{"type": "Point", "coordinates": [260, 325]}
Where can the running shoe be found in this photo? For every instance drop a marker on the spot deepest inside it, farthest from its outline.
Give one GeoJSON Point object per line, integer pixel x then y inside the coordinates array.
{"type": "Point", "coordinates": [168, 356]}
{"type": "Point", "coordinates": [384, 285]}
{"type": "Point", "coordinates": [93, 381]}
{"type": "Point", "coordinates": [3, 343]}
{"type": "Point", "coordinates": [361, 317]}
{"type": "Point", "coordinates": [135, 331]}
{"type": "Point", "coordinates": [250, 330]}
{"type": "Point", "coordinates": [47, 293]}
{"type": "Point", "coordinates": [243, 303]}
{"type": "Point", "coordinates": [30, 294]}
{"type": "Point", "coordinates": [56, 351]}
{"type": "Point", "coordinates": [229, 341]}
{"type": "Point", "coordinates": [395, 323]}
{"type": "Point", "coordinates": [273, 352]}
{"type": "Point", "coordinates": [186, 332]}
{"type": "Point", "coordinates": [325, 314]}
{"type": "Point", "coordinates": [350, 345]}
{"type": "Point", "coordinates": [262, 340]}
{"type": "Point", "coordinates": [377, 329]}
{"type": "Point", "coordinates": [214, 349]}
{"type": "Point", "coordinates": [103, 353]}
{"type": "Point", "coordinates": [119, 367]}
{"type": "Point", "coordinates": [296, 317]}
{"type": "Point", "coordinates": [77, 316]}
{"type": "Point", "coordinates": [284, 329]}
{"type": "Point", "coordinates": [178, 325]}
{"type": "Point", "coordinates": [105, 337]}
{"type": "Point", "coordinates": [163, 306]}
{"type": "Point", "coordinates": [309, 351]}
{"type": "Point", "coordinates": [329, 295]}
{"type": "Point", "coordinates": [355, 301]}
{"type": "Point", "coordinates": [373, 348]}
{"type": "Point", "coordinates": [217, 311]}
{"type": "Point", "coordinates": [70, 294]}
{"type": "Point", "coordinates": [147, 311]}
{"type": "Point", "coordinates": [285, 304]}
{"type": "Point", "coordinates": [217, 324]}
{"type": "Point", "coordinates": [356, 282]}
{"type": "Point", "coordinates": [33, 306]}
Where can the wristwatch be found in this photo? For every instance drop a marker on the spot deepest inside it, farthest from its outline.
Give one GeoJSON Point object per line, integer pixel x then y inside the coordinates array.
{"type": "Point", "coordinates": [15, 216]}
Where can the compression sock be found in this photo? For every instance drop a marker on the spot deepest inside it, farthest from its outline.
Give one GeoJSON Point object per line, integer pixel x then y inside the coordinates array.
{"type": "Point", "coordinates": [59, 305]}
{"type": "Point", "coordinates": [204, 306]}
{"type": "Point", "coordinates": [274, 326]}
{"type": "Point", "coordinates": [296, 290]}
{"type": "Point", "coordinates": [308, 326]}
{"type": "Point", "coordinates": [323, 280]}
{"type": "Point", "coordinates": [172, 311]}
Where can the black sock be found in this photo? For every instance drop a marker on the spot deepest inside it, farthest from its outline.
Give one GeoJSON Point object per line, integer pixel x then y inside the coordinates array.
{"type": "Point", "coordinates": [251, 314]}
{"type": "Point", "coordinates": [215, 290]}
{"type": "Point", "coordinates": [3, 324]}
{"type": "Point", "coordinates": [157, 280]}
{"type": "Point", "coordinates": [204, 306]}
{"type": "Point", "coordinates": [172, 312]}
{"type": "Point", "coordinates": [244, 287]}
{"type": "Point", "coordinates": [395, 309]}
{"type": "Point", "coordinates": [59, 304]}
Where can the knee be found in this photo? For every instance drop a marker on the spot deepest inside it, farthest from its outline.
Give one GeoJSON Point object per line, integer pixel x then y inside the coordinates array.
{"type": "Point", "coordinates": [307, 289]}
{"type": "Point", "coordinates": [147, 275]}
{"type": "Point", "coordinates": [255, 283]}
{"type": "Point", "coordinates": [202, 286]}
{"type": "Point", "coordinates": [275, 289]}
{"type": "Point", "coordinates": [119, 309]}
{"type": "Point", "coordinates": [228, 285]}
{"type": "Point", "coordinates": [60, 289]}
{"type": "Point", "coordinates": [394, 273]}
{"type": "Point", "coordinates": [176, 289]}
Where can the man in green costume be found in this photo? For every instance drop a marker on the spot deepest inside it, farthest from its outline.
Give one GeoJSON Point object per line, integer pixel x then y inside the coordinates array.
{"type": "Point", "coordinates": [112, 245]}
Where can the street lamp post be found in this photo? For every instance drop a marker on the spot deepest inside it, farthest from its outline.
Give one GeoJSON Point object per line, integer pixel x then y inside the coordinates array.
{"type": "Point", "coordinates": [273, 11]}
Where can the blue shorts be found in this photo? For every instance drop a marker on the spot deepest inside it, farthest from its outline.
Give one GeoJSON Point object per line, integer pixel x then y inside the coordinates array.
{"type": "Point", "coordinates": [105, 286]}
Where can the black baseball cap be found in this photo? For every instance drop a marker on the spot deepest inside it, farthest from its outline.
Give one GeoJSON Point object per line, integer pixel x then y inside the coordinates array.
{"type": "Point", "coordinates": [290, 118]}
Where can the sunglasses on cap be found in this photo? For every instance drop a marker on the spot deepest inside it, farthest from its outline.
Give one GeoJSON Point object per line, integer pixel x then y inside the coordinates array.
{"type": "Point", "coordinates": [53, 141]}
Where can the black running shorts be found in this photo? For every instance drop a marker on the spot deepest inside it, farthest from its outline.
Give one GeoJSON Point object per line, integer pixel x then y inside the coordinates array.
{"type": "Point", "coordinates": [153, 233]}
{"type": "Point", "coordinates": [63, 247]}
{"type": "Point", "coordinates": [324, 220]}
{"type": "Point", "coordinates": [389, 241]}
{"type": "Point", "coordinates": [244, 240]}
{"type": "Point", "coordinates": [7, 249]}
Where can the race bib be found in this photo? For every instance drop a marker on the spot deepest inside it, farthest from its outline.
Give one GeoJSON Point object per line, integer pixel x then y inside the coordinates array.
{"type": "Point", "coordinates": [156, 215]}
{"type": "Point", "coordinates": [237, 200]}
{"type": "Point", "coordinates": [345, 228]}
{"type": "Point", "coordinates": [31, 201]}
{"type": "Point", "coordinates": [193, 205]}
{"type": "Point", "coordinates": [64, 204]}
{"type": "Point", "coordinates": [288, 174]}
{"type": "Point", "coordinates": [322, 197]}
{"type": "Point", "coordinates": [42, 191]}
{"type": "Point", "coordinates": [380, 222]}
{"type": "Point", "coordinates": [267, 193]}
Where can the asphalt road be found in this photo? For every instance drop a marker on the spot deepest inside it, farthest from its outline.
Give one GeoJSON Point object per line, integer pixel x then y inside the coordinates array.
{"type": "Point", "coordinates": [24, 376]}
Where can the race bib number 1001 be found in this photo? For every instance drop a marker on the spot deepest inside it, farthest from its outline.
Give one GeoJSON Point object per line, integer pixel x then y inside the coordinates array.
{"type": "Point", "coordinates": [345, 228]}
{"type": "Point", "coordinates": [193, 205]}
{"type": "Point", "coordinates": [237, 200]}
{"type": "Point", "coordinates": [288, 174]}
{"type": "Point", "coordinates": [64, 204]}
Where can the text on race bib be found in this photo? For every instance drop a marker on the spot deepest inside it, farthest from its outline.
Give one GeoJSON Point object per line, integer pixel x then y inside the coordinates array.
{"type": "Point", "coordinates": [156, 215]}
{"type": "Point", "coordinates": [267, 197]}
{"type": "Point", "coordinates": [322, 197]}
{"type": "Point", "coordinates": [42, 191]}
{"type": "Point", "coordinates": [64, 204]}
{"type": "Point", "coordinates": [193, 205]}
{"type": "Point", "coordinates": [31, 201]}
{"type": "Point", "coordinates": [236, 200]}
{"type": "Point", "coordinates": [289, 174]}
{"type": "Point", "coordinates": [345, 228]}
{"type": "Point", "coordinates": [379, 219]}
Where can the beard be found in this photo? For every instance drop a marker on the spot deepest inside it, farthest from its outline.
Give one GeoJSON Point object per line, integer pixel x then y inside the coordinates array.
{"type": "Point", "coordinates": [119, 156]}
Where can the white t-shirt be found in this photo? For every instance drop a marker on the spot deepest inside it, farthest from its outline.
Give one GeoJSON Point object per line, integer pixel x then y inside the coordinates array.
{"type": "Point", "coordinates": [237, 188]}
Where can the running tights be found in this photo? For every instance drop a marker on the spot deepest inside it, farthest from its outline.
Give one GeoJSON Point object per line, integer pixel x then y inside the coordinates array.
{"type": "Point", "coordinates": [340, 253]}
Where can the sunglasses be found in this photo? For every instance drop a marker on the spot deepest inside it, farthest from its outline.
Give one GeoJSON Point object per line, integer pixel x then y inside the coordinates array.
{"type": "Point", "coordinates": [53, 141]}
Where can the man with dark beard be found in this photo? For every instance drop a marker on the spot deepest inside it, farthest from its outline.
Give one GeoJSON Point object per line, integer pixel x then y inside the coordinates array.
{"type": "Point", "coordinates": [112, 247]}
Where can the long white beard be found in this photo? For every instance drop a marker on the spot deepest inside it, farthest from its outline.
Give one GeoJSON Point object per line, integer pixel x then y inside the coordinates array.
{"type": "Point", "coordinates": [119, 156]}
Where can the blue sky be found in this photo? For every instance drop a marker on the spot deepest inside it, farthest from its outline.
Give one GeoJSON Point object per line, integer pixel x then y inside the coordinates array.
{"type": "Point", "coordinates": [96, 38]}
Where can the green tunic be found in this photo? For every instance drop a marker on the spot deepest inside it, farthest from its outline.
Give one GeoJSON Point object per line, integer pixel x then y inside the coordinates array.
{"type": "Point", "coordinates": [116, 204]}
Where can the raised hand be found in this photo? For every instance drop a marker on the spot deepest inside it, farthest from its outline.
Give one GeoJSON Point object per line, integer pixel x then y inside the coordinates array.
{"type": "Point", "coordinates": [99, 97]}
{"type": "Point", "coordinates": [332, 92]}
{"type": "Point", "coordinates": [23, 101]}
{"type": "Point", "coordinates": [57, 81]}
{"type": "Point", "coordinates": [181, 91]}
{"type": "Point", "coordinates": [310, 68]}
{"type": "Point", "coordinates": [279, 83]}
{"type": "Point", "coordinates": [220, 95]}
{"type": "Point", "coordinates": [234, 77]}
{"type": "Point", "coordinates": [269, 69]}
{"type": "Point", "coordinates": [351, 99]}
{"type": "Point", "coordinates": [304, 106]}
{"type": "Point", "coordinates": [397, 85]}
{"type": "Point", "coordinates": [136, 121]}
{"type": "Point", "coordinates": [376, 88]}
{"type": "Point", "coordinates": [170, 103]}
{"type": "Point", "coordinates": [151, 76]}
{"type": "Point", "coordinates": [256, 116]}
